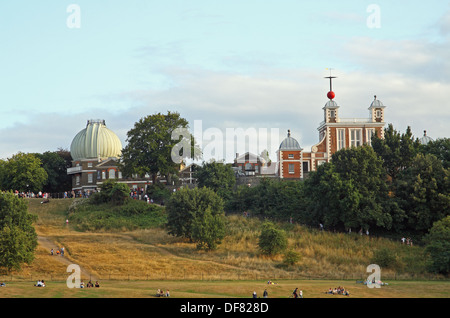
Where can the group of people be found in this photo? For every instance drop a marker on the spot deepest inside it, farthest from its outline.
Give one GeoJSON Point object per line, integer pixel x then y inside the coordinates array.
{"type": "Point", "coordinates": [297, 293]}
{"type": "Point", "coordinates": [40, 283]}
{"type": "Point", "coordinates": [407, 241]}
{"type": "Point", "coordinates": [160, 293]}
{"type": "Point", "coordinates": [338, 291]}
{"type": "Point", "coordinates": [59, 251]}
{"type": "Point", "coordinates": [89, 284]}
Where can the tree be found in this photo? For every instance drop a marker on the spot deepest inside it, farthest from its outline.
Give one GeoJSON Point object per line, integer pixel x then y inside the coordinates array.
{"type": "Point", "coordinates": [55, 164]}
{"type": "Point", "coordinates": [423, 193]}
{"type": "Point", "coordinates": [190, 210]}
{"type": "Point", "coordinates": [217, 176]}
{"type": "Point", "coordinates": [396, 150]}
{"type": "Point", "coordinates": [350, 191]}
{"type": "Point", "coordinates": [208, 230]}
{"type": "Point", "coordinates": [150, 149]}
{"type": "Point", "coordinates": [18, 238]}
{"type": "Point", "coordinates": [331, 200]}
{"type": "Point", "coordinates": [272, 240]}
{"type": "Point", "coordinates": [440, 148]}
{"type": "Point", "coordinates": [438, 245]}
{"type": "Point", "coordinates": [23, 172]}
{"type": "Point", "coordinates": [111, 191]}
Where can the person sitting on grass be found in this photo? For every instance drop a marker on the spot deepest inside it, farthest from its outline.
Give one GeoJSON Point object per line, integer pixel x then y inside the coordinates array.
{"type": "Point", "coordinates": [97, 284]}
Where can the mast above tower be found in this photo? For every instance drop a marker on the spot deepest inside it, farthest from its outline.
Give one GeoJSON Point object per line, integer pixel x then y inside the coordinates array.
{"type": "Point", "coordinates": [331, 94]}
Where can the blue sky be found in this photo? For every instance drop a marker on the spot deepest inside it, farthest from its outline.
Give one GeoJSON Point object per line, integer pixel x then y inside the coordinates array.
{"type": "Point", "coordinates": [231, 64]}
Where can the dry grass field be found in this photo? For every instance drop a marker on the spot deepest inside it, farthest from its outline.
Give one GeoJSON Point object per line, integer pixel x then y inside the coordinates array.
{"type": "Point", "coordinates": [136, 263]}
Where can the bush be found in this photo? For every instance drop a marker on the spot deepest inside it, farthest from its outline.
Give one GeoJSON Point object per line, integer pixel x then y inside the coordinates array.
{"type": "Point", "coordinates": [208, 230]}
{"type": "Point", "coordinates": [111, 191]}
{"type": "Point", "coordinates": [438, 246]}
{"type": "Point", "coordinates": [385, 257]}
{"type": "Point", "coordinates": [186, 205]}
{"type": "Point", "coordinates": [291, 258]}
{"type": "Point", "coordinates": [272, 240]}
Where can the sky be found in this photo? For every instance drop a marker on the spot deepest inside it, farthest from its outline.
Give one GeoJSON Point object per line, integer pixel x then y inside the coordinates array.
{"type": "Point", "coordinates": [224, 65]}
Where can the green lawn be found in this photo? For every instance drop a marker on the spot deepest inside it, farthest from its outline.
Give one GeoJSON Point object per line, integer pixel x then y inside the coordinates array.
{"type": "Point", "coordinates": [228, 289]}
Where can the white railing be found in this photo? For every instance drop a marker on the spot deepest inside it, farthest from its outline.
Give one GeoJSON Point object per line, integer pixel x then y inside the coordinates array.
{"type": "Point", "coordinates": [74, 170]}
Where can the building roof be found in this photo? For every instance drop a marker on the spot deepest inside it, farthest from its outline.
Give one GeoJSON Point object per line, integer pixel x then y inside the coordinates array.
{"type": "Point", "coordinates": [95, 141]}
{"type": "Point", "coordinates": [425, 139]}
{"type": "Point", "coordinates": [376, 103]}
{"type": "Point", "coordinates": [331, 104]}
{"type": "Point", "coordinates": [289, 143]}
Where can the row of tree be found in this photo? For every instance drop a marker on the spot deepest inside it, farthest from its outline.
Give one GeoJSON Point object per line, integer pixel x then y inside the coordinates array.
{"type": "Point", "coordinates": [395, 186]}
{"type": "Point", "coordinates": [34, 172]}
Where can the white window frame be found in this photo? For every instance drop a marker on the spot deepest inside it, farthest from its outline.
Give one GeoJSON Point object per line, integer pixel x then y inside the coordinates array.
{"type": "Point", "coordinates": [354, 133]}
{"type": "Point", "coordinates": [90, 177]}
{"type": "Point", "coordinates": [369, 133]}
{"type": "Point", "coordinates": [111, 174]}
{"type": "Point", "coordinates": [340, 139]}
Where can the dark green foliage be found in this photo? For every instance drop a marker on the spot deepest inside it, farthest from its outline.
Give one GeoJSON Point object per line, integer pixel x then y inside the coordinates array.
{"type": "Point", "coordinates": [396, 150]}
{"type": "Point", "coordinates": [422, 191]}
{"type": "Point", "coordinates": [150, 145]}
{"type": "Point", "coordinates": [18, 238]}
{"type": "Point", "coordinates": [274, 199]}
{"type": "Point", "coordinates": [218, 177]}
{"type": "Point", "coordinates": [439, 148]}
{"type": "Point", "coordinates": [111, 191]}
{"type": "Point", "coordinates": [386, 258]}
{"type": "Point", "coordinates": [55, 164]}
{"type": "Point", "coordinates": [438, 245]}
{"type": "Point", "coordinates": [196, 214]}
{"type": "Point", "coordinates": [349, 192]}
{"type": "Point", "coordinates": [208, 230]}
{"type": "Point", "coordinates": [22, 172]}
{"type": "Point", "coordinates": [272, 240]}
{"type": "Point", "coordinates": [159, 193]}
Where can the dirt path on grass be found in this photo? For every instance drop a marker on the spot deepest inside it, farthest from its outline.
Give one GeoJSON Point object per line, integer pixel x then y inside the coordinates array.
{"type": "Point", "coordinates": [46, 243]}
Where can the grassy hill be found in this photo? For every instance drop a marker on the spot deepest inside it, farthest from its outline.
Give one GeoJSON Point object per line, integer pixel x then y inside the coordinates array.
{"type": "Point", "coordinates": [118, 249]}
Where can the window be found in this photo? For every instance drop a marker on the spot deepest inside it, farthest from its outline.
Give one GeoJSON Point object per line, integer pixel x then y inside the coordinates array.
{"type": "Point", "coordinates": [305, 166]}
{"type": "Point", "coordinates": [378, 113]}
{"type": "Point", "coordinates": [369, 133]}
{"type": "Point", "coordinates": [99, 175]}
{"type": "Point", "coordinates": [332, 113]}
{"type": "Point", "coordinates": [355, 137]}
{"type": "Point", "coordinates": [291, 168]}
{"type": "Point", "coordinates": [103, 175]}
{"type": "Point", "coordinates": [291, 156]}
{"type": "Point", "coordinates": [256, 169]}
{"type": "Point", "coordinates": [90, 178]}
{"type": "Point", "coordinates": [340, 138]}
{"type": "Point", "coordinates": [90, 164]}
{"type": "Point", "coordinates": [112, 174]}
{"type": "Point", "coordinates": [120, 174]}
{"type": "Point", "coordinates": [77, 180]}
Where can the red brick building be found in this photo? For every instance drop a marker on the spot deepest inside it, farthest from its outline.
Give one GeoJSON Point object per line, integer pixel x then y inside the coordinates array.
{"type": "Point", "coordinates": [335, 133]}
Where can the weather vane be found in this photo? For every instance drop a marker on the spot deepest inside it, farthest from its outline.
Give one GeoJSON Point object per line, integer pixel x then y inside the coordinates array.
{"type": "Point", "coordinates": [330, 94]}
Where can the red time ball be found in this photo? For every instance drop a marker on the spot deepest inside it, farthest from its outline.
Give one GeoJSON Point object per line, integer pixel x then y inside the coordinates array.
{"type": "Point", "coordinates": [331, 95]}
